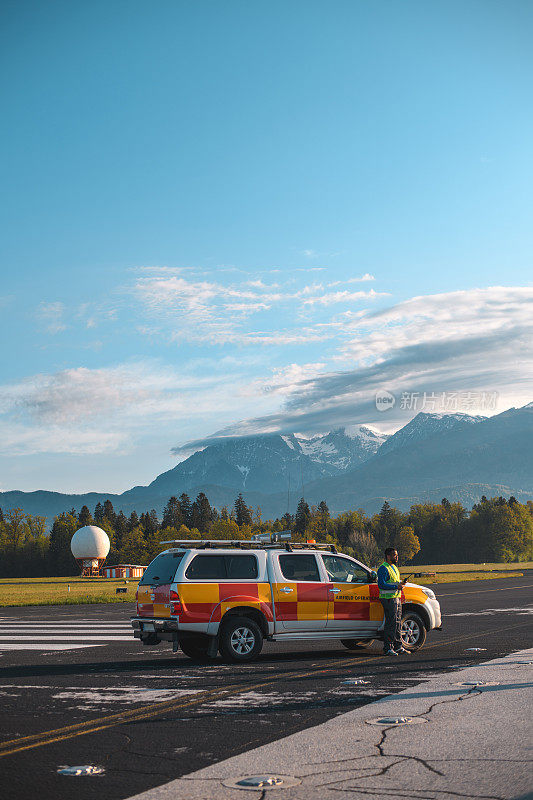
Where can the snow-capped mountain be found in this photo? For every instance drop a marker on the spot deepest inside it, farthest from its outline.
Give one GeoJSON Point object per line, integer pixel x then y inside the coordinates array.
{"type": "Point", "coordinates": [272, 462]}
{"type": "Point", "coordinates": [425, 425]}
{"type": "Point", "coordinates": [342, 449]}
{"type": "Point", "coordinates": [457, 456]}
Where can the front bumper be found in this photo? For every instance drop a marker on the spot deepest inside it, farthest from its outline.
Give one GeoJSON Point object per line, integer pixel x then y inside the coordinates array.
{"type": "Point", "coordinates": [433, 609]}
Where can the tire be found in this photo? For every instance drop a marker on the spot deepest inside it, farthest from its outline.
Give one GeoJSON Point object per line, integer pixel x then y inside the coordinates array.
{"type": "Point", "coordinates": [413, 631]}
{"type": "Point", "coordinates": [356, 644]}
{"type": "Point", "coordinates": [241, 639]}
{"type": "Point", "coordinates": [195, 647]}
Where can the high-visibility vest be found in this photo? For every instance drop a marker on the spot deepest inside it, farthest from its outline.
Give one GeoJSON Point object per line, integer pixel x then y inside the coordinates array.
{"type": "Point", "coordinates": [394, 577]}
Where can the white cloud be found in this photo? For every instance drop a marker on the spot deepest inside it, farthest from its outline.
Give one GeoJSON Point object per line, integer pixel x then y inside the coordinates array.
{"type": "Point", "coordinates": [345, 296]}
{"type": "Point", "coordinates": [50, 317]}
{"type": "Point", "coordinates": [103, 410]}
{"type": "Point", "coordinates": [366, 277]}
{"type": "Point", "coordinates": [210, 312]}
{"type": "Point", "coordinates": [478, 340]}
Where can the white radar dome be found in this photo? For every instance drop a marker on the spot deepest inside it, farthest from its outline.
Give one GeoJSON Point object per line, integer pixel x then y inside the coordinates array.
{"type": "Point", "coordinates": [90, 542]}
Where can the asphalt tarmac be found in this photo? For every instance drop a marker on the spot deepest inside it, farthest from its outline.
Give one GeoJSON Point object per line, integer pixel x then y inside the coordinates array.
{"type": "Point", "coordinates": [147, 716]}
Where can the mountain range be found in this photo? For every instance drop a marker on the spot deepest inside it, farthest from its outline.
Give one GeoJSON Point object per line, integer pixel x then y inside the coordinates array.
{"type": "Point", "coordinates": [457, 456]}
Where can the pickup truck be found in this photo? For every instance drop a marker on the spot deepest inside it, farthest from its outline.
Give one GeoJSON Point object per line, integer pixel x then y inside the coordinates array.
{"type": "Point", "coordinates": [208, 596]}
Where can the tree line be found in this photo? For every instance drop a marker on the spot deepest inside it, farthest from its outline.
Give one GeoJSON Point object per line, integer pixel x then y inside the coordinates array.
{"type": "Point", "coordinates": [494, 530]}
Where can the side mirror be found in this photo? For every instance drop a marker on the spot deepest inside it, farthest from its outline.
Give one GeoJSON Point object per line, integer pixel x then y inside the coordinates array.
{"type": "Point", "coordinates": [373, 576]}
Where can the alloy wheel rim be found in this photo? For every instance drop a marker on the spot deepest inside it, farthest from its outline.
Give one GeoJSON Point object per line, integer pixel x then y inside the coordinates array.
{"type": "Point", "coordinates": [242, 641]}
{"type": "Point", "coordinates": [410, 631]}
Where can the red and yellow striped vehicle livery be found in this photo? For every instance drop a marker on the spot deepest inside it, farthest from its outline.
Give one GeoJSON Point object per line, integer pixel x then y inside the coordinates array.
{"type": "Point", "coordinates": [210, 596]}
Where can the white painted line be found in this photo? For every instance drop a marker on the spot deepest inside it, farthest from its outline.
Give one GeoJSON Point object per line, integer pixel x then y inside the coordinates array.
{"type": "Point", "coordinates": [54, 637]}
{"type": "Point", "coordinates": [47, 647]}
{"type": "Point", "coordinates": [72, 622]}
{"type": "Point", "coordinates": [74, 629]}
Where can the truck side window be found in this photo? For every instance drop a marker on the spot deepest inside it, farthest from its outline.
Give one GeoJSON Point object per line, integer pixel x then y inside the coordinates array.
{"type": "Point", "coordinates": [209, 568]}
{"type": "Point", "coordinates": [241, 567]}
{"type": "Point", "coordinates": [299, 567]}
{"type": "Point", "coordinates": [161, 570]}
{"type": "Point", "coordinates": [343, 570]}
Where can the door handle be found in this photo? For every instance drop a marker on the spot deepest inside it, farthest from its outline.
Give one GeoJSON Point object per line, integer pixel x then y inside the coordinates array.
{"type": "Point", "coordinates": [335, 590]}
{"type": "Point", "coordinates": [287, 589]}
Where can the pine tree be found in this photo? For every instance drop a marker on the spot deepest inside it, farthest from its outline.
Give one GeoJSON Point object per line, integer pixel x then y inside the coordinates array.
{"type": "Point", "coordinates": [98, 513]}
{"type": "Point", "coordinates": [242, 512]}
{"type": "Point", "coordinates": [154, 522]}
{"type": "Point", "coordinates": [172, 516]}
{"type": "Point", "coordinates": [303, 515]}
{"type": "Point", "coordinates": [84, 517]}
{"type": "Point", "coordinates": [121, 526]}
{"type": "Point", "coordinates": [109, 512]}
{"type": "Point", "coordinates": [133, 521]}
{"type": "Point", "coordinates": [323, 514]}
{"type": "Point", "coordinates": [202, 513]}
{"type": "Point", "coordinates": [186, 509]}
{"type": "Point", "coordinates": [60, 559]}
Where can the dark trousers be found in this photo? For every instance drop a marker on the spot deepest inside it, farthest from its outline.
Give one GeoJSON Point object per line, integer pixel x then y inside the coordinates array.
{"type": "Point", "coordinates": [393, 623]}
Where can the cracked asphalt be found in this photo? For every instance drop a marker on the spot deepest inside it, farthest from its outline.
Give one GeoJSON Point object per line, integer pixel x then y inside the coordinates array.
{"type": "Point", "coordinates": [148, 717]}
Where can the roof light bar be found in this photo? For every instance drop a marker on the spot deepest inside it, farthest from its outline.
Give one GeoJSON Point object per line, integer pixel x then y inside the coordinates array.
{"type": "Point", "coordinates": [272, 537]}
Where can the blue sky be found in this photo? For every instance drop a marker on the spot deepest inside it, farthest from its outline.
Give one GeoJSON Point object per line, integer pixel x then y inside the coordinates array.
{"type": "Point", "coordinates": [216, 217]}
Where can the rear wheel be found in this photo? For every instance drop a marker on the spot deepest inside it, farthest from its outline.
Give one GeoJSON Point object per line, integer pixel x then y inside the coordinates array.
{"type": "Point", "coordinates": [356, 644]}
{"type": "Point", "coordinates": [241, 639]}
{"type": "Point", "coordinates": [413, 631]}
{"type": "Point", "coordinates": [195, 647]}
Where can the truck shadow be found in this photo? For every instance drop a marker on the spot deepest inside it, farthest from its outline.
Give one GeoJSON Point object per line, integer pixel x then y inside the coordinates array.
{"type": "Point", "coordinates": [264, 666]}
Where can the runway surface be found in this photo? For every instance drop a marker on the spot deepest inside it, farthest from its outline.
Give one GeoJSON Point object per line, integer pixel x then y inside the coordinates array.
{"type": "Point", "coordinates": [83, 691]}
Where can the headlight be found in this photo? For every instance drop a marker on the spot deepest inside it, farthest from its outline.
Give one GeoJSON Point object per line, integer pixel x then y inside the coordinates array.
{"type": "Point", "coordinates": [430, 593]}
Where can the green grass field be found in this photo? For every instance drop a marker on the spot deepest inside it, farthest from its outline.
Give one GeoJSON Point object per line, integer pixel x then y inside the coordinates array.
{"type": "Point", "coordinates": [55, 591]}
{"type": "Point", "coordinates": [458, 568]}
{"type": "Point", "coordinates": [451, 573]}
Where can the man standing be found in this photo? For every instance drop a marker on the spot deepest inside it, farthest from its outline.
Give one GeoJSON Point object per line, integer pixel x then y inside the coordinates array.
{"type": "Point", "coordinates": [390, 590]}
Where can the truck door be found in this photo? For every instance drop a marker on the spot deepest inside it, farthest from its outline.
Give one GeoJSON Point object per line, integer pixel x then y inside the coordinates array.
{"type": "Point", "coordinates": [299, 592]}
{"type": "Point", "coordinates": [350, 596]}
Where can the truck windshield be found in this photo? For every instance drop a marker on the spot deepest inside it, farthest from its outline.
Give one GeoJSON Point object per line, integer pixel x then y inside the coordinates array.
{"type": "Point", "coordinates": [162, 569]}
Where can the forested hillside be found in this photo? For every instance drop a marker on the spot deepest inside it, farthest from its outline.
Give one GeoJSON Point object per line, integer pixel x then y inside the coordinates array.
{"type": "Point", "coordinates": [495, 530]}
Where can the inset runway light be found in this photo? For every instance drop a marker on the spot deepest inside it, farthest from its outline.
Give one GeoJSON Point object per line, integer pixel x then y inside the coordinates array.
{"type": "Point", "coordinates": [260, 783]}
{"type": "Point", "coordinates": [355, 682]}
{"type": "Point", "coordinates": [476, 649]}
{"type": "Point", "coordinates": [390, 721]}
{"type": "Point", "coordinates": [263, 782]}
{"type": "Point", "coordinates": [87, 769]}
{"type": "Point", "coordinates": [474, 684]}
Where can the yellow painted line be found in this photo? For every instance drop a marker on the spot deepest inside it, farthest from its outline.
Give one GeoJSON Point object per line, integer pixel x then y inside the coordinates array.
{"type": "Point", "coordinates": [13, 746]}
{"type": "Point", "coordinates": [478, 591]}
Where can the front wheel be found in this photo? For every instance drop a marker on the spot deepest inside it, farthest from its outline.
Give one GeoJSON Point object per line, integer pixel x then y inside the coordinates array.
{"type": "Point", "coordinates": [413, 631]}
{"type": "Point", "coordinates": [356, 644]}
{"type": "Point", "coordinates": [240, 639]}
